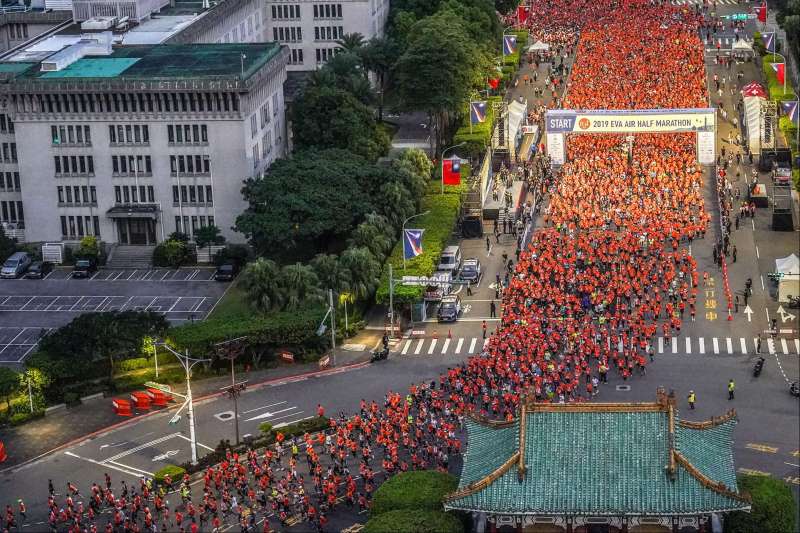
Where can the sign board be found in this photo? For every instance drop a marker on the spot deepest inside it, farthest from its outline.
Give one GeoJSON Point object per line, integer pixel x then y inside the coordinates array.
{"type": "Point", "coordinates": [706, 149]}
{"type": "Point", "coordinates": [528, 128]}
{"type": "Point", "coordinates": [287, 357]}
{"type": "Point", "coordinates": [638, 121]}
{"type": "Point", "coordinates": [555, 148]}
{"type": "Point", "coordinates": [53, 252]}
{"type": "Point", "coordinates": [442, 279]}
{"type": "Point", "coordinates": [325, 361]}
{"type": "Point", "coordinates": [159, 386]}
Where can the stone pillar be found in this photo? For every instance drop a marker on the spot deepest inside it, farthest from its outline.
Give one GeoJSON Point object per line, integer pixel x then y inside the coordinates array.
{"type": "Point", "coordinates": [569, 524]}
{"type": "Point", "coordinates": [624, 525]}
{"type": "Point", "coordinates": [674, 525]}
{"type": "Point", "coordinates": [492, 527]}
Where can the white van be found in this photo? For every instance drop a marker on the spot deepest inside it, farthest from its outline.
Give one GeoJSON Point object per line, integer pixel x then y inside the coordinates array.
{"type": "Point", "coordinates": [450, 260]}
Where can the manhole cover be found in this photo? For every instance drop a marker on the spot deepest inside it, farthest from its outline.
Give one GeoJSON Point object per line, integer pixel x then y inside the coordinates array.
{"type": "Point", "coordinates": [623, 388]}
{"type": "Point", "coordinates": [223, 416]}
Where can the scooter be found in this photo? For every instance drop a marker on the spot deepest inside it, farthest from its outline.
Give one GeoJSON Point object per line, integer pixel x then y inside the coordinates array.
{"type": "Point", "coordinates": [794, 302]}
{"type": "Point", "coordinates": [794, 389]}
{"type": "Point", "coordinates": [379, 355]}
{"type": "Point", "coordinates": [759, 366]}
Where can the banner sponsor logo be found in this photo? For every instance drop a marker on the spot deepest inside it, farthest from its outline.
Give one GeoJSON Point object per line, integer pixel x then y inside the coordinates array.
{"type": "Point", "coordinates": [644, 121]}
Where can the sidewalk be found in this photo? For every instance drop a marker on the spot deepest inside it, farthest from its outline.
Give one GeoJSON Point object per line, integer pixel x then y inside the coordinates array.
{"type": "Point", "coordinates": [28, 441]}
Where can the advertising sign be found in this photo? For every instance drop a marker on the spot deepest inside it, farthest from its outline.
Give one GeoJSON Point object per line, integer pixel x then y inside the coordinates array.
{"type": "Point", "coordinates": [555, 148]}
{"type": "Point", "coordinates": [639, 121]}
{"type": "Point", "coordinates": [705, 147]}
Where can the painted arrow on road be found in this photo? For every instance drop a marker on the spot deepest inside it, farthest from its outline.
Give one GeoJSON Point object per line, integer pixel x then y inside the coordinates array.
{"type": "Point", "coordinates": [749, 313]}
{"type": "Point", "coordinates": [166, 455]}
{"type": "Point", "coordinates": [784, 314]}
{"type": "Point", "coordinates": [267, 415]}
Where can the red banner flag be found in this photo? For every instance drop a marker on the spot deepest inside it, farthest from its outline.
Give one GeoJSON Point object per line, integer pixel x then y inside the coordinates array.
{"type": "Point", "coordinates": [522, 14]}
{"type": "Point", "coordinates": [780, 71]}
{"type": "Point", "coordinates": [451, 171]}
{"type": "Point", "coordinates": [494, 83]}
{"type": "Point", "coordinates": [762, 13]}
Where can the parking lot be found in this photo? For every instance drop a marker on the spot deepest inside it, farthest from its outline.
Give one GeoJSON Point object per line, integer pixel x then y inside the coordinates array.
{"type": "Point", "coordinates": [31, 307]}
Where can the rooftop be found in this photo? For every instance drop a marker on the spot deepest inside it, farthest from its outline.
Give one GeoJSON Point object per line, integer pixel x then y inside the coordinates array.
{"type": "Point", "coordinates": [599, 459]}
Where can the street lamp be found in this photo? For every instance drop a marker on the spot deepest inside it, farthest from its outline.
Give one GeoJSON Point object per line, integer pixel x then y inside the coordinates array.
{"type": "Point", "coordinates": [231, 349]}
{"type": "Point", "coordinates": [187, 363]}
{"type": "Point", "coordinates": [403, 234]}
{"type": "Point", "coordinates": [442, 163]}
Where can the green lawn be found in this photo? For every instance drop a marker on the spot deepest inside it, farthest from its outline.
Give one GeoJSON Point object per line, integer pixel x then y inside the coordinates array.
{"type": "Point", "coordinates": [232, 304]}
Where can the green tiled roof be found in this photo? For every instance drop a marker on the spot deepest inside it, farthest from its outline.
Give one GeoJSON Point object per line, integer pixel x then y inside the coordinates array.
{"type": "Point", "coordinates": [598, 463]}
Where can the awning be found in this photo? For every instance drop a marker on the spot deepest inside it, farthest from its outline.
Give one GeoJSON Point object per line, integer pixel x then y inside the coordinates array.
{"type": "Point", "coordinates": [742, 46]}
{"type": "Point", "coordinates": [538, 46]}
{"type": "Point", "coordinates": [754, 89]}
{"type": "Point", "coordinates": [133, 211]}
{"type": "Point", "coordinates": [789, 265]}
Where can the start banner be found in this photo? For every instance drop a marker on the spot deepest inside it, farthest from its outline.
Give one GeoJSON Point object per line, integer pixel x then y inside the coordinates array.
{"type": "Point", "coordinates": [622, 121]}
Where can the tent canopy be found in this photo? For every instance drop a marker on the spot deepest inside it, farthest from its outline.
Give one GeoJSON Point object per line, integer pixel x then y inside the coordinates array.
{"type": "Point", "coordinates": [789, 265]}
{"type": "Point", "coordinates": [754, 89]}
{"type": "Point", "coordinates": [742, 46]}
{"type": "Point", "coordinates": [538, 46]}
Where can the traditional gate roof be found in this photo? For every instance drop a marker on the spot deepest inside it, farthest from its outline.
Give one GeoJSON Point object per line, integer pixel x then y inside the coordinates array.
{"type": "Point", "coordinates": [617, 459]}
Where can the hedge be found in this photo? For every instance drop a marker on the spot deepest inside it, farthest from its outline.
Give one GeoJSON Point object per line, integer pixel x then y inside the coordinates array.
{"type": "Point", "coordinates": [402, 521]}
{"type": "Point", "coordinates": [421, 490]}
{"type": "Point", "coordinates": [774, 509]}
{"type": "Point", "coordinates": [438, 225]}
{"type": "Point", "coordinates": [775, 88]}
{"type": "Point", "coordinates": [175, 472]}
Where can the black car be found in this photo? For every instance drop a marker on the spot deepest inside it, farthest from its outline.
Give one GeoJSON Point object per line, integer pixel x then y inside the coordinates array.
{"type": "Point", "coordinates": [449, 309]}
{"type": "Point", "coordinates": [39, 270]}
{"type": "Point", "coordinates": [84, 268]}
{"type": "Point", "coordinates": [226, 272]}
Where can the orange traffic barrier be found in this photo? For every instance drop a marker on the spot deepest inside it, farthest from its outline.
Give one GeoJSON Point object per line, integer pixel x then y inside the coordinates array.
{"type": "Point", "coordinates": [122, 407]}
{"type": "Point", "coordinates": [159, 398]}
{"type": "Point", "coordinates": [141, 400]}
{"type": "Point", "coordinates": [3, 454]}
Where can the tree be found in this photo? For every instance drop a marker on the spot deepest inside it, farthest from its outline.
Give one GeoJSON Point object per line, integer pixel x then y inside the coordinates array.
{"type": "Point", "coordinates": [208, 235]}
{"type": "Point", "coordinates": [7, 246]}
{"type": "Point", "coordinates": [774, 509]}
{"type": "Point", "coordinates": [88, 248]}
{"type": "Point", "coordinates": [261, 284]}
{"type": "Point", "coordinates": [364, 270]}
{"type": "Point", "coordinates": [375, 233]}
{"type": "Point", "coordinates": [395, 202]}
{"type": "Point", "coordinates": [351, 41]}
{"type": "Point", "coordinates": [299, 285]}
{"type": "Point", "coordinates": [379, 56]}
{"type": "Point", "coordinates": [330, 273]}
{"type": "Point", "coordinates": [9, 385]}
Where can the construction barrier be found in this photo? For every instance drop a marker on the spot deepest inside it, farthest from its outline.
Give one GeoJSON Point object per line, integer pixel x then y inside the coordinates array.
{"type": "Point", "coordinates": [3, 454]}
{"type": "Point", "coordinates": [141, 400]}
{"type": "Point", "coordinates": [159, 398]}
{"type": "Point", "coordinates": [122, 407]}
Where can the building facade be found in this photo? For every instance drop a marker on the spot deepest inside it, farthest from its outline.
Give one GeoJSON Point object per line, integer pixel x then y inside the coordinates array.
{"type": "Point", "coordinates": [147, 140]}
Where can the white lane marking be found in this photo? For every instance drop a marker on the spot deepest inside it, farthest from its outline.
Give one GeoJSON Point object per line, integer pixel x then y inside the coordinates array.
{"type": "Point", "coordinates": [141, 447]}
{"type": "Point", "coordinates": [688, 346]}
{"type": "Point", "coordinates": [472, 345]}
{"type": "Point", "coordinates": [715, 341]}
{"type": "Point", "coordinates": [758, 255]}
{"type": "Point", "coordinates": [406, 347]}
{"type": "Point", "coordinates": [433, 346]}
{"type": "Point", "coordinates": [674, 342]}
{"type": "Point", "coordinates": [262, 407]}
{"type": "Point", "coordinates": [743, 344]}
{"type": "Point", "coordinates": [771, 346]}
{"type": "Point", "coordinates": [129, 472]}
{"type": "Point", "coordinates": [797, 346]}
{"type": "Point", "coordinates": [785, 346]}
{"type": "Point", "coordinates": [445, 346]}
{"type": "Point", "coordinates": [702, 342]}
{"type": "Point", "coordinates": [132, 468]}
{"type": "Point", "coordinates": [174, 304]}
{"type": "Point", "coordinates": [485, 342]}
{"type": "Point", "coordinates": [132, 274]}
{"type": "Point", "coordinates": [762, 283]}
{"type": "Point", "coordinates": [729, 344]}
{"type": "Point", "coordinates": [458, 345]}
{"type": "Point", "coordinates": [661, 345]}
{"type": "Point", "coordinates": [187, 439]}
{"type": "Point", "coordinates": [419, 346]}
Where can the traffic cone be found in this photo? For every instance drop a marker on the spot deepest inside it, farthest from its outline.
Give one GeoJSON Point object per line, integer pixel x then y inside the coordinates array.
{"type": "Point", "coordinates": [449, 334]}
{"type": "Point", "coordinates": [435, 334]}
{"type": "Point", "coordinates": [730, 316]}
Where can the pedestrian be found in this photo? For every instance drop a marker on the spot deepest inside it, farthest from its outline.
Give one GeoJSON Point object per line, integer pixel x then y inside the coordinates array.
{"type": "Point", "coordinates": [492, 309]}
{"type": "Point", "coordinates": [736, 303]}
{"type": "Point", "coordinates": [733, 253]}
{"type": "Point", "coordinates": [469, 288]}
{"type": "Point", "coordinates": [758, 344]}
{"type": "Point", "coordinates": [483, 326]}
{"type": "Point", "coordinates": [691, 399]}
{"type": "Point", "coordinates": [488, 245]}
{"type": "Point", "coordinates": [731, 387]}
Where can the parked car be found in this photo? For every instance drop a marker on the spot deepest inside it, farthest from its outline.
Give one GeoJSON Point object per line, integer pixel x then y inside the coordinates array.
{"type": "Point", "coordinates": [471, 271]}
{"type": "Point", "coordinates": [39, 269]}
{"type": "Point", "coordinates": [84, 268]}
{"type": "Point", "coordinates": [450, 260]}
{"type": "Point", "coordinates": [449, 309]}
{"type": "Point", "coordinates": [226, 272]}
{"type": "Point", "coordinates": [16, 265]}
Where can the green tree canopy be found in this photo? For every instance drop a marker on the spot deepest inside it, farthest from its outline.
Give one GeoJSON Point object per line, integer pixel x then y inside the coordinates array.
{"type": "Point", "coordinates": [261, 284]}
{"type": "Point", "coordinates": [774, 509]}
{"type": "Point", "coordinates": [7, 246]}
{"type": "Point", "coordinates": [9, 385]}
{"type": "Point", "coordinates": [300, 285]}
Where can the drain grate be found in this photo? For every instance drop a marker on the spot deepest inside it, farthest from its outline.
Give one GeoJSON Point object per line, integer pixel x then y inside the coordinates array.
{"type": "Point", "coordinates": [623, 388]}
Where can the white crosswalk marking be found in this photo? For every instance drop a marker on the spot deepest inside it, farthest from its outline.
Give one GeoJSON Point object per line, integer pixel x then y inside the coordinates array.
{"type": "Point", "coordinates": [797, 346]}
{"type": "Point", "coordinates": [485, 342]}
{"type": "Point", "coordinates": [771, 346]}
{"type": "Point", "coordinates": [419, 347]}
{"type": "Point", "coordinates": [458, 345]}
{"type": "Point", "coordinates": [755, 345]}
{"type": "Point", "coordinates": [729, 344]}
{"type": "Point", "coordinates": [445, 345]}
{"type": "Point", "coordinates": [688, 346]}
{"type": "Point", "coordinates": [620, 347]}
{"type": "Point", "coordinates": [715, 341]}
{"type": "Point", "coordinates": [674, 345]}
{"type": "Point", "coordinates": [661, 345]}
{"type": "Point", "coordinates": [472, 345]}
{"type": "Point", "coordinates": [433, 346]}
{"type": "Point", "coordinates": [785, 346]}
{"type": "Point", "coordinates": [406, 347]}
{"type": "Point", "coordinates": [702, 345]}
{"type": "Point", "coordinates": [743, 343]}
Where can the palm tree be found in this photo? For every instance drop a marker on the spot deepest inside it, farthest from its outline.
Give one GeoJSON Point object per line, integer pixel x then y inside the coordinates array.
{"type": "Point", "coordinates": [375, 233]}
{"type": "Point", "coordinates": [261, 284]}
{"type": "Point", "coordinates": [364, 270]}
{"type": "Point", "coordinates": [351, 41]}
{"type": "Point", "coordinates": [300, 286]}
{"type": "Point", "coordinates": [330, 272]}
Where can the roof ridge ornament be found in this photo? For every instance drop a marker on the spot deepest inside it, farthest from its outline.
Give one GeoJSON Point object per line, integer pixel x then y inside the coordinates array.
{"type": "Point", "coordinates": [714, 421]}
{"type": "Point", "coordinates": [523, 419]}
{"type": "Point", "coordinates": [716, 486]}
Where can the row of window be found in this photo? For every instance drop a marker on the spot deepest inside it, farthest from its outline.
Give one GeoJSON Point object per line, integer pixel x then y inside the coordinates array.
{"type": "Point", "coordinates": [328, 33]}
{"type": "Point", "coordinates": [76, 165]}
{"type": "Point", "coordinates": [74, 227]}
{"type": "Point", "coordinates": [131, 194]}
{"type": "Point", "coordinates": [77, 195]}
{"type": "Point", "coordinates": [197, 222]}
{"type": "Point", "coordinates": [187, 133]}
{"type": "Point", "coordinates": [286, 12]}
{"type": "Point", "coordinates": [129, 134]}
{"type": "Point", "coordinates": [266, 149]}
{"type": "Point", "coordinates": [133, 103]}
{"type": "Point", "coordinates": [71, 135]}
{"type": "Point", "coordinates": [297, 56]}
{"type": "Point", "coordinates": [265, 116]}
{"type": "Point", "coordinates": [290, 34]}
{"type": "Point", "coordinates": [327, 11]}
{"type": "Point", "coordinates": [17, 30]}
{"type": "Point", "coordinates": [192, 194]}
{"type": "Point", "coordinates": [324, 54]}
{"type": "Point", "coordinates": [188, 164]}
{"type": "Point", "coordinates": [6, 124]}
{"type": "Point", "coordinates": [10, 182]}
{"type": "Point", "coordinates": [129, 165]}
{"type": "Point", "coordinates": [9, 152]}
{"type": "Point", "coordinates": [12, 211]}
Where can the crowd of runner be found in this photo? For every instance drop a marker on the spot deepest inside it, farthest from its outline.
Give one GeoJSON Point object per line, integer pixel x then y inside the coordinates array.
{"type": "Point", "coordinates": [585, 298]}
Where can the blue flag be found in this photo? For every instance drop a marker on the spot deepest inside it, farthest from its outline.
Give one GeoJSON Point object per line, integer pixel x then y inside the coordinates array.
{"type": "Point", "coordinates": [790, 110]}
{"type": "Point", "coordinates": [768, 38]}
{"type": "Point", "coordinates": [509, 44]}
{"type": "Point", "coordinates": [477, 112]}
{"type": "Point", "coordinates": [412, 243]}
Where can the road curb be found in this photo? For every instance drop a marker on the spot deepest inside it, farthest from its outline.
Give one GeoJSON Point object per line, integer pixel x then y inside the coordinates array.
{"type": "Point", "coordinates": [136, 420]}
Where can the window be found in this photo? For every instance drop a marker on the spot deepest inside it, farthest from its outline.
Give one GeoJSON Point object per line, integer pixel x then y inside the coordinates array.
{"type": "Point", "coordinates": [96, 224]}
{"type": "Point", "coordinates": [192, 194]}
{"type": "Point", "coordinates": [187, 133]}
{"type": "Point", "coordinates": [75, 135]}
{"type": "Point", "coordinates": [129, 133]}
{"type": "Point", "coordinates": [178, 226]}
{"type": "Point", "coordinates": [253, 126]}
{"type": "Point", "coordinates": [60, 194]}
{"type": "Point", "coordinates": [209, 196]}
{"type": "Point", "coordinates": [64, 226]}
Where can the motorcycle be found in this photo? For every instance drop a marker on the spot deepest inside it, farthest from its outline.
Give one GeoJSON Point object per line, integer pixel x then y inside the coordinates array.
{"type": "Point", "coordinates": [759, 366]}
{"type": "Point", "coordinates": [794, 302]}
{"type": "Point", "coordinates": [794, 389]}
{"type": "Point", "coordinates": [379, 355]}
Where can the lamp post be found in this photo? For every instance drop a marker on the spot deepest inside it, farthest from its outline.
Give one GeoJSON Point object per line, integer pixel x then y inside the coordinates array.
{"type": "Point", "coordinates": [231, 349]}
{"type": "Point", "coordinates": [403, 233]}
{"type": "Point", "coordinates": [442, 163]}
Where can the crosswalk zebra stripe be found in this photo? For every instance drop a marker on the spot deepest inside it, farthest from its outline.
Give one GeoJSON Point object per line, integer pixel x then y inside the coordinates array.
{"type": "Point", "coordinates": [406, 347]}
{"type": "Point", "coordinates": [485, 342]}
{"type": "Point", "coordinates": [688, 346]}
{"type": "Point", "coordinates": [702, 345]}
{"type": "Point", "coordinates": [771, 346]}
{"type": "Point", "coordinates": [674, 343]}
{"type": "Point", "coordinates": [472, 345]}
{"type": "Point", "coordinates": [433, 346]}
{"type": "Point", "coordinates": [661, 345]}
{"type": "Point", "coordinates": [419, 346]}
{"type": "Point", "coordinates": [743, 344]}
{"type": "Point", "coordinates": [715, 341]}
{"type": "Point", "coordinates": [785, 346]}
{"type": "Point", "coordinates": [458, 345]}
{"type": "Point", "coordinates": [729, 343]}
{"type": "Point", "coordinates": [445, 345]}
{"type": "Point", "coordinates": [797, 346]}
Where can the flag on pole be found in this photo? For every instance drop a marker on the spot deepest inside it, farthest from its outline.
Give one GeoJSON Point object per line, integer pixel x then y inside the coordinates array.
{"type": "Point", "coordinates": [509, 44]}
{"type": "Point", "coordinates": [451, 171]}
{"type": "Point", "coordinates": [477, 112]}
{"type": "Point", "coordinates": [494, 83]}
{"type": "Point", "coordinates": [412, 243]}
{"type": "Point", "coordinates": [768, 38]}
{"type": "Point", "coordinates": [761, 13]}
{"type": "Point", "coordinates": [522, 14]}
{"type": "Point", "coordinates": [790, 109]}
{"type": "Point", "coordinates": [780, 71]}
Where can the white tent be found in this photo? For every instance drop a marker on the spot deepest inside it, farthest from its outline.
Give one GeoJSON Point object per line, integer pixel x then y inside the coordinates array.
{"type": "Point", "coordinates": [752, 121]}
{"type": "Point", "coordinates": [517, 112]}
{"type": "Point", "coordinates": [538, 46]}
{"type": "Point", "coordinates": [790, 282]}
{"type": "Point", "coordinates": [742, 46]}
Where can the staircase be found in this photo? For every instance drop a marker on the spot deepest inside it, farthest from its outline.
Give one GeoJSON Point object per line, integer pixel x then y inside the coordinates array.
{"type": "Point", "coordinates": [138, 257]}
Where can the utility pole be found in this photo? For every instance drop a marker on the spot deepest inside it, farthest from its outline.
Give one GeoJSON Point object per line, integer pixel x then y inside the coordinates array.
{"type": "Point", "coordinates": [231, 349]}
{"type": "Point", "coordinates": [333, 328]}
{"type": "Point", "coordinates": [391, 300]}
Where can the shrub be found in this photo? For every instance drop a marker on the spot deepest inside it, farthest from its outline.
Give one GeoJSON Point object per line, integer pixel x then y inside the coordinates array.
{"type": "Point", "coordinates": [134, 364]}
{"type": "Point", "coordinates": [172, 253]}
{"type": "Point", "coordinates": [415, 491]}
{"type": "Point", "coordinates": [774, 508]}
{"type": "Point", "coordinates": [175, 472]}
{"type": "Point", "coordinates": [72, 398]}
{"type": "Point", "coordinates": [403, 521]}
{"type": "Point", "coordinates": [237, 253]}
{"type": "Point", "coordinates": [265, 428]}
{"type": "Point", "coordinates": [89, 248]}
{"type": "Point", "coordinates": [21, 417]}
{"type": "Point", "coordinates": [208, 235]}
